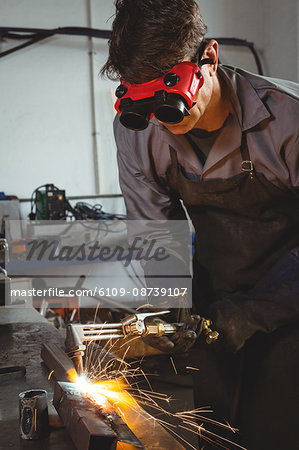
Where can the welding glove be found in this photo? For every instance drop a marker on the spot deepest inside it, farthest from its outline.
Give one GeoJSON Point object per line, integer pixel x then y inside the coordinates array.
{"type": "Point", "coordinates": [184, 338]}
{"type": "Point", "coordinates": [234, 324]}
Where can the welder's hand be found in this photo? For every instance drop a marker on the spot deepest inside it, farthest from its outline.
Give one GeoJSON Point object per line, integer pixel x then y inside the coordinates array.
{"type": "Point", "coordinates": [183, 339]}
{"type": "Point", "coordinates": [236, 323]}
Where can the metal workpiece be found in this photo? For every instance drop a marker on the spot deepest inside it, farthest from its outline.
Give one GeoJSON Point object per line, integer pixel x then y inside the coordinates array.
{"type": "Point", "coordinates": [132, 426]}
{"type": "Point", "coordinates": [85, 428]}
{"type": "Point", "coordinates": [88, 425]}
{"type": "Point", "coordinates": [57, 361]}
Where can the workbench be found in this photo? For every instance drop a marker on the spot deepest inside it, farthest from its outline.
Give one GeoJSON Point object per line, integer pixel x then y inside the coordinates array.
{"type": "Point", "coordinates": [22, 331]}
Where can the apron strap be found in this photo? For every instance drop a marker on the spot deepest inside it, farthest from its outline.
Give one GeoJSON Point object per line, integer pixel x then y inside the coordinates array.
{"type": "Point", "coordinates": [246, 164]}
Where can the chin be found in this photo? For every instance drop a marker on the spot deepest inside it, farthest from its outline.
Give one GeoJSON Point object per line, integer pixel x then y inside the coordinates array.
{"type": "Point", "coordinates": [178, 128]}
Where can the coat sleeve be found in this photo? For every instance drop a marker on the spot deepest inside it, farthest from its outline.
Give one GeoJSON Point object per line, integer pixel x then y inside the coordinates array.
{"type": "Point", "coordinates": [272, 303]}
{"type": "Point", "coordinates": [153, 212]}
{"type": "Point", "coordinates": [145, 197]}
{"type": "Point", "coordinates": [285, 132]}
{"type": "Point", "coordinates": [292, 159]}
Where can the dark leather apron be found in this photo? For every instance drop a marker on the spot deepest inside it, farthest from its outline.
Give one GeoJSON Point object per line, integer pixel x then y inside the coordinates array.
{"type": "Point", "coordinates": [243, 224]}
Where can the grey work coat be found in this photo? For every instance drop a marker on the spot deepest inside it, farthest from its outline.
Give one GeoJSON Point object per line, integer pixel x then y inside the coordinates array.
{"type": "Point", "coordinates": [266, 108]}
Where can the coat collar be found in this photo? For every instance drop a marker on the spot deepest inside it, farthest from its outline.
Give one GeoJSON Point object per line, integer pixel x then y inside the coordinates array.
{"type": "Point", "coordinates": [248, 111]}
{"type": "Point", "coordinates": [247, 104]}
{"type": "Point", "coordinates": [227, 142]}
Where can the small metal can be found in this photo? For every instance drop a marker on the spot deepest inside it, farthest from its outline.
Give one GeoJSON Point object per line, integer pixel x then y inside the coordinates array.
{"type": "Point", "coordinates": [34, 419]}
{"type": "Point", "coordinates": [3, 252]}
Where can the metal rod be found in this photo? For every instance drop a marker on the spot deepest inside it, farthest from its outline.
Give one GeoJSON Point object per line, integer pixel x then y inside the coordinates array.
{"type": "Point", "coordinates": [102, 337]}
{"type": "Point", "coordinates": [104, 331]}
{"type": "Point", "coordinates": [98, 326]}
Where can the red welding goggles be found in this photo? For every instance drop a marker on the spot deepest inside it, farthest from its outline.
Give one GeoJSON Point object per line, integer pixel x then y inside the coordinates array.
{"type": "Point", "coordinates": [168, 98]}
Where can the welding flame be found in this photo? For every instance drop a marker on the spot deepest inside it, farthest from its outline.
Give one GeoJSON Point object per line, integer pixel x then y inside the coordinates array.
{"type": "Point", "coordinates": [72, 375]}
{"type": "Point", "coordinates": [106, 393]}
{"type": "Point", "coordinates": [115, 392]}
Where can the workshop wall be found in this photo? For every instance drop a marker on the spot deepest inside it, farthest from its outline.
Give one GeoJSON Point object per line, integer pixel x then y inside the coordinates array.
{"type": "Point", "coordinates": [272, 25]}
{"type": "Point", "coordinates": [45, 102]}
{"type": "Point", "coordinates": [46, 105]}
{"type": "Point", "coordinates": [235, 19]}
{"type": "Point", "coordinates": [56, 112]}
{"type": "Point", "coordinates": [281, 38]}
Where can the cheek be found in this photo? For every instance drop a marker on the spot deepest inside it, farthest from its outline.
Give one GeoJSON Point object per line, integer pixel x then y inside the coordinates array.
{"type": "Point", "coordinates": [201, 100]}
{"type": "Point", "coordinates": [203, 96]}
{"type": "Point", "coordinates": [194, 113]}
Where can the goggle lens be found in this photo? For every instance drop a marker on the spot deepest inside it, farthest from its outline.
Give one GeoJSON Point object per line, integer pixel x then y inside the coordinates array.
{"type": "Point", "coordinates": [173, 111]}
{"type": "Point", "coordinates": [135, 120]}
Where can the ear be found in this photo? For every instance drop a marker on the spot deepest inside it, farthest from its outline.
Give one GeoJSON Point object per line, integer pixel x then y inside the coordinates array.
{"type": "Point", "coordinates": [211, 52]}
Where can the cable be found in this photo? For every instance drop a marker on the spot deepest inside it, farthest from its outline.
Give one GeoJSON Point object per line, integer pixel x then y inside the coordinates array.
{"type": "Point", "coordinates": [37, 34]}
{"type": "Point", "coordinates": [84, 210]}
{"type": "Point", "coordinates": [81, 211]}
{"type": "Point", "coordinates": [243, 43]}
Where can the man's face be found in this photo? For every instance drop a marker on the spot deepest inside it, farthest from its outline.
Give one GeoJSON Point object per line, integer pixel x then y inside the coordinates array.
{"type": "Point", "coordinates": [196, 119]}
{"type": "Point", "coordinates": [207, 112]}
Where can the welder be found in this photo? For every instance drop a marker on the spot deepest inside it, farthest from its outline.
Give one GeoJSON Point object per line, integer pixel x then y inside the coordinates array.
{"type": "Point", "coordinates": [224, 142]}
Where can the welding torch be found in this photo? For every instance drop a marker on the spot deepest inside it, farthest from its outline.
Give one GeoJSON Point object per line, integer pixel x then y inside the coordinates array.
{"type": "Point", "coordinates": [132, 325]}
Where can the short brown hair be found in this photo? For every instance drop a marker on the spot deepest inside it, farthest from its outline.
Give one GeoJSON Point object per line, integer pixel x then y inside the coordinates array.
{"type": "Point", "coordinates": [150, 36]}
